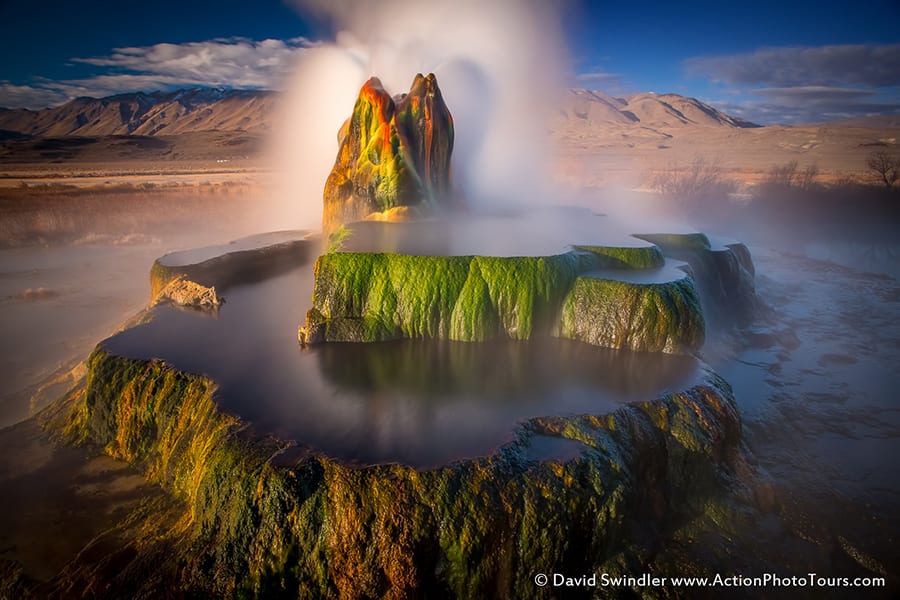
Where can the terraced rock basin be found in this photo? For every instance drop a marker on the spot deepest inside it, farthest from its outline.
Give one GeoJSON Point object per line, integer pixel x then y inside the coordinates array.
{"type": "Point", "coordinates": [514, 278]}
{"type": "Point", "coordinates": [423, 402]}
{"type": "Point", "coordinates": [416, 461]}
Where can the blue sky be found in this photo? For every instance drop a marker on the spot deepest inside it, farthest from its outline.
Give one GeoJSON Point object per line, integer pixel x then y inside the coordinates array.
{"type": "Point", "coordinates": [769, 62]}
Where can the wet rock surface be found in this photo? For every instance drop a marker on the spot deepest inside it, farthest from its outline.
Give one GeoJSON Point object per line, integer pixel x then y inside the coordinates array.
{"type": "Point", "coordinates": [268, 517]}
{"type": "Point", "coordinates": [183, 292]}
{"type": "Point", "coordinates": [393, 152]}
{"type": "Point", "coordinates": [723, 269]}
{"type": "Point", "coordinates": [653, 317]}
{"type": "Point", "coordinates": [239, 262]}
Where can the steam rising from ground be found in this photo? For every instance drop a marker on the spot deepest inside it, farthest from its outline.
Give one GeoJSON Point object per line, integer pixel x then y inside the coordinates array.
{"type": "Point", "coordinates": [499, 64]}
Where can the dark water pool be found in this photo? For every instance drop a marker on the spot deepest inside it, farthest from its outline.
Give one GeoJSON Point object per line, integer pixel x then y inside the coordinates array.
{"type": "Point", "coordinates": [417, 402]}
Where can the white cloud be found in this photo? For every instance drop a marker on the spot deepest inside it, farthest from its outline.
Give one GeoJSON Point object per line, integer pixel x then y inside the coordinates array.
{"type": "Point", "coordinates": [807, 84]}
{"type": "Point", "coordinates": [875, 65]}
{"type": "Point", "coordinates": [597, 77]}
{"type": "Point", "coordinates": [807, 105]}
{"type": "Point", "coordinates": [222, 62]}
{"type": "Point", "coordinates": [815, 94]}
{"type": "Point", "coordinates": [233, 62]}
{"type": "Point", "coordinates": [25, 96]}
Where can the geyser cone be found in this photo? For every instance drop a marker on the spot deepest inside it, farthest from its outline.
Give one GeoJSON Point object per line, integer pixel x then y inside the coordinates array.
{"type": "Point", "coordinates": [392, 154]}
{"type": "Point", "coordinates": [426, 133]}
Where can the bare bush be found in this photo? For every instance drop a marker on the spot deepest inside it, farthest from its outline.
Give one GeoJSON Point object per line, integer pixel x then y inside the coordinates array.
{"type": "Point", "coordinates": [783, 175]}
{"type": "Point", "coordinates": [789, 175]}
{"type": "Point", "coordinates": [791, 199]}
{"type": "Point", "coordinates": [885, 166]}
{"type": "Point", "coordinates": [695, 186]}
{"type": "Point", "coordinates": [807, 178]}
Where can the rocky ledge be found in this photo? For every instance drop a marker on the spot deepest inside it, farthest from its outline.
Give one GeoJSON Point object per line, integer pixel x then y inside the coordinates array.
{"type": "Point", "coordinates": [265, 517]}
{"type": "Point", "coordinates": [616, 297]}
{"type": "Point", "coordinates": [241, 261]}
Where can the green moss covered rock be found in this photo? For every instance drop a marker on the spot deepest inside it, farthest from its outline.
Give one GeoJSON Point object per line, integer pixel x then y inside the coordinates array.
{"type": "Point", "coordinates": [723, 271]}
{"type": "Point", "coordinates": [638, 257]}
{"type": "Point", "coordinates": [366, 297]}
{"type": "Point", "coordinates": [655, 317]}
{"type": "Point", "coordinates": [267, 518]}
{"type": "Point", "coordinates": [375, 296]}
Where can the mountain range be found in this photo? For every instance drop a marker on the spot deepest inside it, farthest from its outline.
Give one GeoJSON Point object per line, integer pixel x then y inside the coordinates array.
{"type": "Point", "coordinates": [146, 114]}
{"type": "Point", "coordinates": [250, 111]}
{"type": "Point", "coordinates": [600, 138]}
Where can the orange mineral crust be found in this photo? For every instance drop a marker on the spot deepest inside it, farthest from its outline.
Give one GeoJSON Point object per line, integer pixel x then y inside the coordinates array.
{"type": "Point", "coordinates": [393, 152]}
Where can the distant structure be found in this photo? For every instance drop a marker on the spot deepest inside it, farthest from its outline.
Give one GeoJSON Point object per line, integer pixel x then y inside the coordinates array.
{"type": "Point", "coordinates": [394, 156]}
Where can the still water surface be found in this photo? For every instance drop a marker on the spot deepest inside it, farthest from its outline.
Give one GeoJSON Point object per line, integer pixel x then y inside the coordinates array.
{"type": "Point", "coordinates": [417, 402]}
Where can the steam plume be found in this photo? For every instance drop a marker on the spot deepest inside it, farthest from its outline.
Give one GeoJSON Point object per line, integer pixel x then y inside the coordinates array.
{"type": "Point", "coordinates": [499, 64]}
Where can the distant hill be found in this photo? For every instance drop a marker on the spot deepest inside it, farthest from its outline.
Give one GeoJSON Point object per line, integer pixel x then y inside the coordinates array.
{"type": "Point", "coordinates": [157, 113]}
{"type": "Point", "coordinates": [646, 110]}
{"type": "Point", "coordinates": [598, 139]}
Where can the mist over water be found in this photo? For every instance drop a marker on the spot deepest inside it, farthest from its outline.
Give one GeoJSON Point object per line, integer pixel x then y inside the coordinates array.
{"type": "Point", "coordinates": [423, 402]}
{"type": "Point", "coordinates": [500, 66]}
{"type": "Point", "coordinates": [74, 266]}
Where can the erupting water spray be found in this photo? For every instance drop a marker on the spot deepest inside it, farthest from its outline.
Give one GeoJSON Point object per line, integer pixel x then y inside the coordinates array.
{"type": "Point", "coordinates": [500, 67]}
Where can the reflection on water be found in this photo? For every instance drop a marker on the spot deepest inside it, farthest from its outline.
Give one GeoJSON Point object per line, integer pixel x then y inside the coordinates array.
{"type": "Point", "coordinates": [543, 232]}
{"type": "Point", "coordinates": [418, 402]}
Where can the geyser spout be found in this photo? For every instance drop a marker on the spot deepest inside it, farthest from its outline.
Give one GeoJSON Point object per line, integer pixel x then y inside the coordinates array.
{"type": "Point", "coordinates": [393, 159]}
{"type": "Point", "coordinates": [426, 127]}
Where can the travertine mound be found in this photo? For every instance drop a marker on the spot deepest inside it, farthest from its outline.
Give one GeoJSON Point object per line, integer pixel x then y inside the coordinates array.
{"type": "Point", "coordinates": [393, 152]}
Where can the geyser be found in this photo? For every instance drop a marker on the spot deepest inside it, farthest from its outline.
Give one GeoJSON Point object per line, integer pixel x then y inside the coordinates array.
{"type": "Point", "coordinates": [497, 422]}
{"type": "Point", "coordinates": [500, 66]}
{"type": "Point", "coordinates": [394, 155]}
{"type": "Point", "coordinates": [405, 467]}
